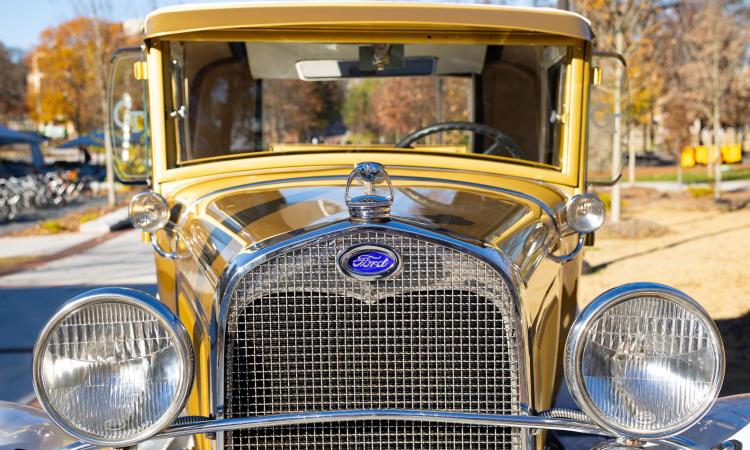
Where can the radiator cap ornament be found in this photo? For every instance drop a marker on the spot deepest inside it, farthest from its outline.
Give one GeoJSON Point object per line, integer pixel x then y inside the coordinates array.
{"type": "Point", "coordinates": [369, 262]}
{"type": "Point", "coordinates": [370, 206]}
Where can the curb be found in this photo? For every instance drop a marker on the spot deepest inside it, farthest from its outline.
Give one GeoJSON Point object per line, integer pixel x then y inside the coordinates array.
{"type": "Point", "coordinates": [116, 220]}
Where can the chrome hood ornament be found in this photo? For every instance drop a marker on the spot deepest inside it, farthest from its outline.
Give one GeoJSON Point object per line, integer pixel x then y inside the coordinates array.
{"type": "Point", "coordinates": [369, 206]}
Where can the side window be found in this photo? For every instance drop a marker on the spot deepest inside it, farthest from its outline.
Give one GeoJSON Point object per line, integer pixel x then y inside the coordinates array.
{"type": "Point", "coordinates": [222, 116]}
{"type": "Point", "coordinates": [128, 116]}
{"type": "Point", "coordinates": [608, 104]}
{"type": "Point", "coordinates": [554, 114]}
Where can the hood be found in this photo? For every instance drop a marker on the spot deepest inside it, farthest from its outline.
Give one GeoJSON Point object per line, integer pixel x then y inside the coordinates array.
{"type": "Point", "coordinates": [217, 226]}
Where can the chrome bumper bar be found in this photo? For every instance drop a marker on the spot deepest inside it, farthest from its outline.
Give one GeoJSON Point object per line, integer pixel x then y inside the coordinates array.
{"type": "Point", "coordinates": [277, 420]}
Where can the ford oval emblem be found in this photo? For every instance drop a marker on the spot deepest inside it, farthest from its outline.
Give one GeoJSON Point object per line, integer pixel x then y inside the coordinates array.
{"type": "Point", "coordinates": [369, 262]}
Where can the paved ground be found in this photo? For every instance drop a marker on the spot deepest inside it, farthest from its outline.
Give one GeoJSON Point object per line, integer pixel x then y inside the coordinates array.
{"type": "Point", "coordinates": [40, 245]}
{"type": "Point", "coordinates": [29, 298]}
{"type": "Point", "coordinates": [701, 251]}
{"type": "Point", "coordinates": [671, 186]}
{"type": "Point", "coordinates": [28, 219]}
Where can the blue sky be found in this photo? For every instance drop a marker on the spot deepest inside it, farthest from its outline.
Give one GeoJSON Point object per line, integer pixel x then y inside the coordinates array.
{"type": "Point", "coordinates": [21, 21]}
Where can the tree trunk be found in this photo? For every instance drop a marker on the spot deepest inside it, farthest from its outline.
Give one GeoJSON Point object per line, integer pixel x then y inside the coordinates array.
{"type": "Point", "coordinates": [108, 152]}
{"type": "Point", "coordinates": [101, 80]}
{"type": "Point", "coordinates": [716, 122]}
{"type": "Point", "coordinates": [717, 146]}
{"type": "Point", "coordinates": [617, 135]}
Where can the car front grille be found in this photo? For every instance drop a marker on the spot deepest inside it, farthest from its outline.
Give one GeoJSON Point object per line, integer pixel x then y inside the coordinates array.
{"type": "Point", "coordinates": [440, 334]}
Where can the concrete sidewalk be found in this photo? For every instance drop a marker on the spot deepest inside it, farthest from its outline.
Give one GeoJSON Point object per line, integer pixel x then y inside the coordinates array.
{"type": "Point", "coordinates": [12, 247]}
{"type": "Point", "coordinates": [673, 186]}
{"type": "Point", "coordinates": [28, 299]}
{"type": "Point", "coordinates": [124, 259]}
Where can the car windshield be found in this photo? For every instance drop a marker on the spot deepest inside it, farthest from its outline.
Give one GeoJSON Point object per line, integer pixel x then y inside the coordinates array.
{"type": "Point", "coordinates": [234, 98]}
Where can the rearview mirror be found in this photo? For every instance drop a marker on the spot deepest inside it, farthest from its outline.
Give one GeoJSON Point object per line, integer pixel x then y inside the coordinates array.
{"type": "Point", "coordinates": [607, 124]}
{"type": "Point", "coordinates": [128, 116]}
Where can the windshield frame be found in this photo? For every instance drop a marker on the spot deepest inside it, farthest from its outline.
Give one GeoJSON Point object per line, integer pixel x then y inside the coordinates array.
{"type": "Point", "coordinates": [571, 130]}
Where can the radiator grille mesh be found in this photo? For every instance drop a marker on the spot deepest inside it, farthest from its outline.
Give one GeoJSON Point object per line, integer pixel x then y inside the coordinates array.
{"type": "Point", "coordinates": [437, 335]}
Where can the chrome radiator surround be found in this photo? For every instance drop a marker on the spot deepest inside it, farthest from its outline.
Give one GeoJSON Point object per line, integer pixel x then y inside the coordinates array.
{"type": "Point", "coordinates": [246, 262]}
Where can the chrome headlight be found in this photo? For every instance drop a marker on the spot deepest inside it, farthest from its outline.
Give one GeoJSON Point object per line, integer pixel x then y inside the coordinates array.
{"type": "Point", "coordinates": [644, 361]}
{"type": "Point", "coordinates": [113, 367]}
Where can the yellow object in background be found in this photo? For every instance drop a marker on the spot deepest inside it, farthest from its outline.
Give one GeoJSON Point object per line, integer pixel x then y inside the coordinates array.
{"type": "Point", "coordinates": [731, 154]}
{"type": "Point", "coordinates": [701, 154]}
{"type": "Point", "coordinates": [687, 159]}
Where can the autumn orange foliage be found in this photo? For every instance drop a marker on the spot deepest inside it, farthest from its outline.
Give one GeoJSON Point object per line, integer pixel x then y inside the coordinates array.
{"type": "Point", "coordinates": [72, 66]}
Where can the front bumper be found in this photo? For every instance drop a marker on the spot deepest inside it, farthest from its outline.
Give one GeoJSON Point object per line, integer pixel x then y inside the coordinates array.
{"type": "Point", "coordinates": [727, 421]}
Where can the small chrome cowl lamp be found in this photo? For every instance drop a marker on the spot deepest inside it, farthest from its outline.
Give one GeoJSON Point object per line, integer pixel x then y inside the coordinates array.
{"type": "Point", "coordinates": [149, 212]}
{"type": "Point", "coordinates": [584, 214]}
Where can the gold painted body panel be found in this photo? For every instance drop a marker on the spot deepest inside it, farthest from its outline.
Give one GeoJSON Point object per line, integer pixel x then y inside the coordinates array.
{"type": "Point", "coordinates": [227, 205]}
{"type": "Point", "coordinates": [222, 216]}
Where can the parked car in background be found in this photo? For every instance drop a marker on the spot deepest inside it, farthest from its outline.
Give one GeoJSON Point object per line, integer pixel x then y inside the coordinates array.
{"type": "Point", "coordinates": [367, 221]}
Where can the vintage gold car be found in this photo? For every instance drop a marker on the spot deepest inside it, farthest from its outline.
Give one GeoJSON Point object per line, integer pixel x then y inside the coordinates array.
{"type": "Point", "coordinates": [368, 221]}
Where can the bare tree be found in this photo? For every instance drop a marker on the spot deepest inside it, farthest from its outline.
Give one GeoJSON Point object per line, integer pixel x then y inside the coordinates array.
{"type": "Point", "coordinates": [12, 84]}
{"type": "Point", "coordinates": [737, 111]}
{"type": "Point", "coordinates": [98, 11]}
{"type": "Point", "coordinates": [621, 26]}
{"type": "Point", "coordinates": [678, 116]}
{"type": "Point", "coordinates": [715, 44]}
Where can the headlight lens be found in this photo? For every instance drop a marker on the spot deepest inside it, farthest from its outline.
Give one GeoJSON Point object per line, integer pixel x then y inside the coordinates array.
{"type": "Point", "coordinates": [644, 361]}
{"type": "Point", "coordinates": [113, 367]}
{"type": "Point", "coordinates": [149, 212]}
{"type": "Point", "coordinates": [585, 213]}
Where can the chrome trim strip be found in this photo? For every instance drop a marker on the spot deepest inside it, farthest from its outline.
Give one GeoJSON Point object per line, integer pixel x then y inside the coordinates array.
{"type": "Point", "coordinates": [277, 420]}
{"type": "Point", "coordinates": [248, 260]}
{"type": "Point", "coordinates": [164, 253]}
{"type": "Point", "coordinates": [565, 258]}
{"type": "Point", "coordinates": [525, 422]}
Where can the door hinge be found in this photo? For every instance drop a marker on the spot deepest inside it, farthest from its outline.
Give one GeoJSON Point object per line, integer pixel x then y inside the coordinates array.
{"type": "Point", "coordinates": [140, 70]}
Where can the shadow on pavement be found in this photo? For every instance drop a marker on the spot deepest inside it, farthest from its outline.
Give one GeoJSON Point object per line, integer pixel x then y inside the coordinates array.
{"type": "Point", "coordinates": [25, 310]}
{"type": "Point", "coordinates": [737, 345]}
{"type": "Point", "coordinates": [23, 313]}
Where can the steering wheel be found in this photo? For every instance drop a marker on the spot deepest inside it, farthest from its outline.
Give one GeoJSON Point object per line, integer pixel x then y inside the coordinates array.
{"type": "Point", "coordinates": [501, 140]}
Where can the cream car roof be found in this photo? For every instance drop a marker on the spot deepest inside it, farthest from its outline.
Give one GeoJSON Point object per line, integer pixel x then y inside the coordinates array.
{"type": "Point", "coordinates": [421, 15]}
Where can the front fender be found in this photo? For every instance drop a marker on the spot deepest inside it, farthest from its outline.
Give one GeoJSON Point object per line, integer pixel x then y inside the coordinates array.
{"type": "Point", "coordinates": [25, 428]}
{"type": "Point", "coordinates": [728, 419]}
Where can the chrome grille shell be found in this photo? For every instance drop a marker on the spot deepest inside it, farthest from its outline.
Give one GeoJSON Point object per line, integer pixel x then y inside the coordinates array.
{"type": "Point", "coordinates": [436, 266]}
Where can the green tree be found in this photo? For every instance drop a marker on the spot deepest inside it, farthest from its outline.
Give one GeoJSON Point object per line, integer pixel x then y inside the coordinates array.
{"type": "Point", "coordinates": [357, 109]}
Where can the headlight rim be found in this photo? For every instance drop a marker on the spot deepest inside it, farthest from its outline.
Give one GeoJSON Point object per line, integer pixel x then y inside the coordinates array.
{"type": "Point", "coordinates": [171, 324]}
{"type": "Point", "coordinates": [575, 344]}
